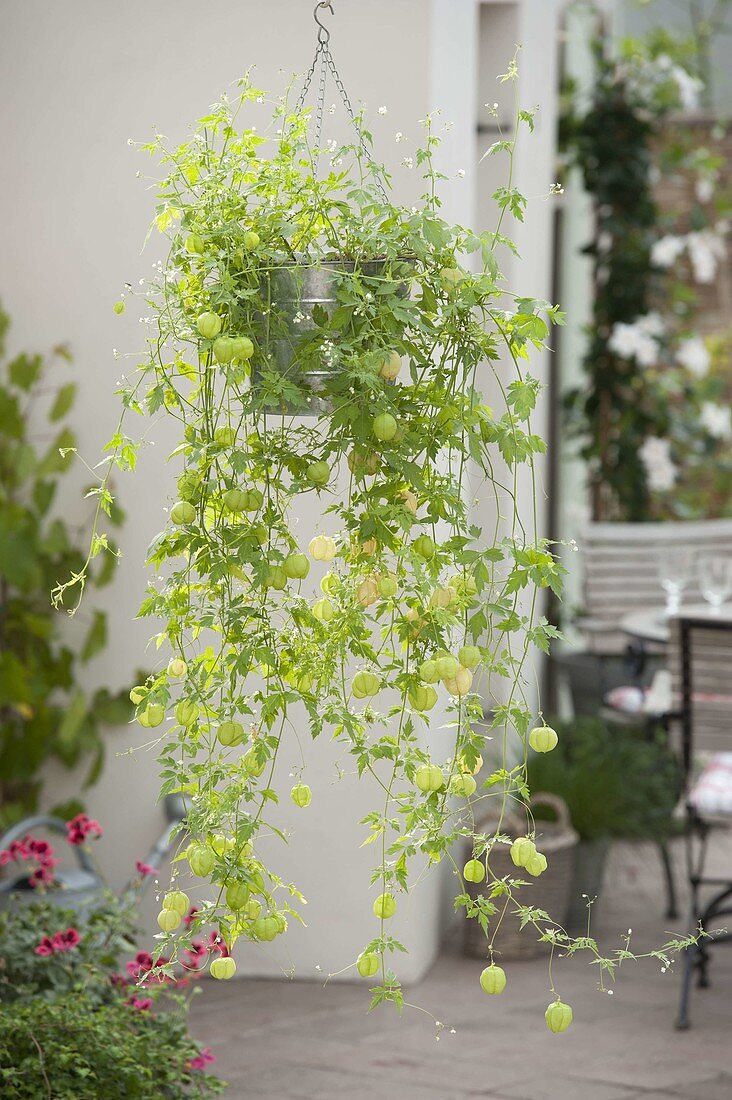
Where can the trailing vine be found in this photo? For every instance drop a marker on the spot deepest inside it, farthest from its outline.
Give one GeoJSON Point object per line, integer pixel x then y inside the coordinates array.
{"type": "Point", "coordinates": [415, 597]}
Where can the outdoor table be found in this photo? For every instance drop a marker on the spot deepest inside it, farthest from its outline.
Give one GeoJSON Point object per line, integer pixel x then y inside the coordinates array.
{"type": "Point", "coordinates": [651, 627]}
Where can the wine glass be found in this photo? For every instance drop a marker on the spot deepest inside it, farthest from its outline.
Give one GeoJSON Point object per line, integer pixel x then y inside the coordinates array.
{"type": "Point", "coordinates": [715, 579]}
{"type": "Point", "coordinates": [674, 573]}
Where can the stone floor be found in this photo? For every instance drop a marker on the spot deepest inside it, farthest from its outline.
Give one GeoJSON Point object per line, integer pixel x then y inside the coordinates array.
{"type": "Point", "coordinates": [302, 1041]}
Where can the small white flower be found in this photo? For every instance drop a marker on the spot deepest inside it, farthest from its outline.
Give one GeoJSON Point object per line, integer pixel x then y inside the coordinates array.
{"type": "Point", "coordinates": [706, 251]}
{"type": "Point", "coordinates": [260, 99]}
{"type": "Point", "coordinates": [717, 420]}
{"type": "Point", "coordinates": [704, 189]}
{"type": "Point", "coordinates": [461, 173]}
{"type": "Point", "coordinates": [332, 109]}
{"type": "Point", "coordinates": [661, 471]}
{"type": "Point", "coordinates": [694, 356]}
{"type": "Point", "coordinates": [637, 339]}
{"type": "Point", "coordinates": [408, 162]}
{"type": "Point", "coordinates": [382, 110]}
{"type": "Point", "coordinates": [398, 136]}
{"type": "Point", "coordinates": [666, 251]}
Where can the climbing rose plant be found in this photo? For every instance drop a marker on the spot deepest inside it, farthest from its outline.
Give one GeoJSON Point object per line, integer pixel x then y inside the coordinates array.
{"type": "Point", "coordinates": [415, 597]}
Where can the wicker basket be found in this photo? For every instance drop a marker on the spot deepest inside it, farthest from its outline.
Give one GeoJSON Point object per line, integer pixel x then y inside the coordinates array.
{"type": "Point", "coordinates": [551, 891]}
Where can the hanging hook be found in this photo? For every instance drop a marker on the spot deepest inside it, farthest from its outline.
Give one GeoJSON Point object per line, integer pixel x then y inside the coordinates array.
{"type": "Point", "coordinates": [323, 32]}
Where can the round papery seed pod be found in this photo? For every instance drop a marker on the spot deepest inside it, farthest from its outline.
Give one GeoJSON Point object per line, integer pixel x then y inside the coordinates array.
{"type": "Point", "coordinates": [222, 844]}
{"type": "Point", "coordinates": [177, 901]}
{"type": "Point", "coordinates": [493, 980]}
{"type": "Point", "coordinates": [385, 906]}
{"type": "Point", "coordinates": [451, 277]}
{"type": "Point", "coordinates": [558, 1017]}
{"type": "Point", "coordinates": [425, 547]}
{"type": "Point", "coordinates": [194, 244]}
{"type": "Point", "coordinates": [182, 513]}
{"type": "Point", "coordinates": [329, 584]}
{"type": "Point", "coordinates": [428, 672]}
{"type": "Point", "coordinates": [384, 427]}
{"type": "Point", "coordinates": [323, 610]}
{"type": "Point", "coordinates": [301, 795]}
{"type": "Point", "coordinates": [208, 324]}
{"type": "Point", "coordinates": [151, 716]}
{"type": "Point", "coordinates": [469, 656]}
{"type": "Point", "coordinates": [251, 910]}
{"type": "Point", "coordinates": [368, 547]}
{"type": "Point", "coordinates": [177, 668]}
{"type": "Point", "coordinates": [522, 849]}
{"type": "Point", "coordinates": [367, 964]}
{"type": "Point", "coordinates": [447, 668]}
{"type": "Point", "coordinates": [237, 895]}
{"type": "Point", "coordinates": [252, 765]}
{"type": "Point", "coordinates": [201, 859]}
{"type": "Point", "coordinates": [536, 864]}
{"type": "Point", "coordinates": [463, 785]}
{"type": "Point", "coordinates": [367, 592]}
{"type": "Point", "coordinates": [254, 502]}
{"type": "Point", "coordinates": [422, 697]}
{"type": "Point", "coordinates": [461, 683]}
{"type": "Point", "coordinates": [442, 597]}
{"type": "Point", "coordinates": [222, 968]}
{"type": "Point", "coordinates": [223, 350]}
{"type": "Point", "coordinates": [276, 578]}
{"type": "Point", "coordinates": [474, 871]}
{"type": "Point", "coordinates": [266, 928]}
{"type": "Point", "coordinates": [429, 778]}
{"type": "Point", "coordinates": [189, 485]}
{"type": "Point", "coordinates": [230, 733]}
{"type": "Point", "coordinates": [410, 500]}
{"type": "Point", "coordinates": [387, 586]}
{"type": "Point", "coordinates": [390, 365]}
{"type": "Point", "coordinates": [137, 694]}
{"type": "Point", "coordinates": [250, 240]}
{"type": "Point", "coordinates": [365, 684]}
{"type": "Point", "coordinates": [296, 566]}
{"type": "Point", "coordinates": [318, 473]}
{"type": "Point", "coordinates": [322, 548]}
{"type": "Point", "coordinates": [243, 348]}
{"type": "Point", "coordinates": [236, 500]}
{"type": "Point", "coordinates": [169, 920]}
{"type": "Point", "coordinates": [543, 739]}
{"type": "Point", "coordinates": [186, 712]}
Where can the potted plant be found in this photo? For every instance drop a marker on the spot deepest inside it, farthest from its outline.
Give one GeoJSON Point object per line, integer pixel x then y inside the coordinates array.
{"type": "Point", "coordinates": [617, 783]}
{"type": "Point", "coordinates": [414, 597]}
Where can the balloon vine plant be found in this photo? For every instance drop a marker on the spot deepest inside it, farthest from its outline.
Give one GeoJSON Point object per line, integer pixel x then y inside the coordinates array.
{"type": "Point", "coordinates": [388, 364]}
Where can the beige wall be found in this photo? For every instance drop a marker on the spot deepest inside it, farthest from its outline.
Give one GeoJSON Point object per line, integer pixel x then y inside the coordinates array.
{"type": "Point", "coordinates": [77, 80]}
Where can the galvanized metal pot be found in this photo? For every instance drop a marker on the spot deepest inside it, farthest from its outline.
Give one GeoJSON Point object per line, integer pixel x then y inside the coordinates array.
{"type": "Point", "coordinates": [294, 291]}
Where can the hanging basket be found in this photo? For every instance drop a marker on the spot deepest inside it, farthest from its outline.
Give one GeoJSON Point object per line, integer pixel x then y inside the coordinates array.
{"type": "Point", "coordinates": [295, 293]}
{"type": "Point", "coordinates": [558, 841]}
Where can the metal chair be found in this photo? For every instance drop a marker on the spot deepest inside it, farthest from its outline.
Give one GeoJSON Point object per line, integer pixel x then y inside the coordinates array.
{"type": "Point", "coordinates": [700, 656]}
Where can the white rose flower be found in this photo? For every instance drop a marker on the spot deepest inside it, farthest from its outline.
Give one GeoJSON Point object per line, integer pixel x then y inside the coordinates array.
{"type": "Point", "coordinates": [661, 471]}
{"type": "Point", "coordinates": [717, 420]}
{"type": "Point", "coordinates": [693, 355]}
{"type": "Point", "coordinates": [666, 251]}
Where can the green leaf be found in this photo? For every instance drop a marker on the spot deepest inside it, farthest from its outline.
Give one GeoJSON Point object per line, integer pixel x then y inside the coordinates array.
{"type": "Point", "coordinates": [96, 637]}
{"type": "Point", "coordinates": [63, 401]}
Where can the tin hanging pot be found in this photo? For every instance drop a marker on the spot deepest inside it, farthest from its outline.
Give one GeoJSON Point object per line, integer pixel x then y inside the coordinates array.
{"type": "Point", "coordinates": [291, 328]}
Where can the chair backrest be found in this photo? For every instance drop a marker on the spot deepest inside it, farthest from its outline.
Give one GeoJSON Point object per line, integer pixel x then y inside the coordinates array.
{"type": "Point", "coordinates": [700, 660]}
{"type": "Point", "coordinates": [621, 571]}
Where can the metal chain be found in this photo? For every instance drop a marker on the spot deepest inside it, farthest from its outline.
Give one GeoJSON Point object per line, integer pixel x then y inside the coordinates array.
{"type": "Point", "coordinates": [327, 64]}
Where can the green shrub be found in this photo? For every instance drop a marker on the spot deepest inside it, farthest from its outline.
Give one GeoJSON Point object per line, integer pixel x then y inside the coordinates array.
{"type": "Point", "coordinates": [616, 780]}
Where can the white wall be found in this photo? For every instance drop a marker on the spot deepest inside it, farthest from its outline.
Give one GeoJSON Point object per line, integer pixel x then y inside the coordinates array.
{"type": "Point", "coordinates": [78, 80]}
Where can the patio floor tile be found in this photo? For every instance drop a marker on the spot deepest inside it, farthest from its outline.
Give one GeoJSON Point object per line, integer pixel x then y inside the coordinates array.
{"type": "Point", "coordinates": [297, 1040]}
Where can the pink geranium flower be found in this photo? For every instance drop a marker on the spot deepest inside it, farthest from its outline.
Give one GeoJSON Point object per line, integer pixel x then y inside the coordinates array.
{"type": "Point", "coordinates": [202, 1059]}
{"type": "Point", "coordinates": [80, 828]}
{"type": "Point", "coordinates": [66, 941]}
{"type": "Point", "coordinates": [144, 869]}
{"type": "Point", "coordinates": [142, 1004]}
{"type": "Point", "coordinates": [45, 947]}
